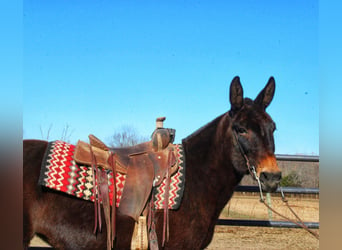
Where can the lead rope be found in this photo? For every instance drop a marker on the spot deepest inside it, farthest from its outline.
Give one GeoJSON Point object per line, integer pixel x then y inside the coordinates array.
{"type": "Point", "coordinates": [262, 200]}
{"type": "Point", "coordinates": [252, 171]}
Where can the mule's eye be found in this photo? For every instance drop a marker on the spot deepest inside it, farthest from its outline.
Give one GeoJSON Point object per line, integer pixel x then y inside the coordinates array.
{"type": "Point", "coordinates": [241, 130]}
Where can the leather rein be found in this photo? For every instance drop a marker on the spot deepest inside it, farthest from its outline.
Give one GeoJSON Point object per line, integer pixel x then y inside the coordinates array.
{"type": "Point", "coordinates": [254, 175]}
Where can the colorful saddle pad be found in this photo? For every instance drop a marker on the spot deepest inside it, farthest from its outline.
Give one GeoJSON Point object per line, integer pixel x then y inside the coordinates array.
{"type": "Point", "coordinates": [60, 172]}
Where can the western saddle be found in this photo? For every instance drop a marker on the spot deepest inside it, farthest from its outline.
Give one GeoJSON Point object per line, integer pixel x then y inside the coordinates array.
{"type": "Point", "coordinates": [145, 165]}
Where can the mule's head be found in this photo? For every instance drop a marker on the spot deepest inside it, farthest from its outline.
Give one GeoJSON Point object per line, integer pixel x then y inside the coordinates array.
{"type": "Point", "coordinates": [252, 134]}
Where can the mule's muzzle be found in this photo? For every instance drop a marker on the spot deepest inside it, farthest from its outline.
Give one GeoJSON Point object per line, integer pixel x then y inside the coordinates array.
{"type": "Point", "coordinates": [270, 181]}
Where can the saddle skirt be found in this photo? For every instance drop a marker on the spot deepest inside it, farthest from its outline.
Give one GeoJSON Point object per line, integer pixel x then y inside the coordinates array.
{"type": "Point", "coordinates": [61, 172]}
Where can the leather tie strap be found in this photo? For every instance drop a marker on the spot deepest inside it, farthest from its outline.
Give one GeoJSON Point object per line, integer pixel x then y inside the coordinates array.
{"type": "Point", "coordinates": [101, 194]}
{"type": "Point", "coordinates": [112, 163]}
{"type": "Point", "coordinates": [97, 208]}
{"type": "Point", "coordinates": [153, 240]}
{"type": "Point", "coordinates": [171, 162]}
{"type": "Point", "coordinates": [104, 195]}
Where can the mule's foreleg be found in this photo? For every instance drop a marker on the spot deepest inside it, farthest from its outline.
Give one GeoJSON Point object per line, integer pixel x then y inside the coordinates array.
{"type": "Point", "coordinates": [28, 232]}
{"type": "Point", "coordinates": [124, 231]}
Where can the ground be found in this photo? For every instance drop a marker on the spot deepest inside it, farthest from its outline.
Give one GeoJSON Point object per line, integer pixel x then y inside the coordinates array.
{"type": "Point", "coordinates": [246, 206]}
{"type": "Point", "coordinates": [233, 237]}
{"type": "Point", "coordinates": [249, 207]}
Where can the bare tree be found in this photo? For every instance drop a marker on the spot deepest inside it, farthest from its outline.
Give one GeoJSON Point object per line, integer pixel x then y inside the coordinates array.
{"type": "Point", "coordinates": [66, 133]}
{"type": "Point", "coordinates": [47, 133]}
{"type": "Point", "coordinates": [126, 136]}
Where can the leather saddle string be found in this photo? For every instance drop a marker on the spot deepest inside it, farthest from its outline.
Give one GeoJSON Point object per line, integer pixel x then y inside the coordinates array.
{"type": "Point", "coordinates": [112, 163]}
{"type": "Point", "coordinates": [166, 209]}
{"type": "Point", "coordinates": [104, 195]}
{"type": "Point", "coordinates": [153, 240]}
{"type": "Point", "coordinates": [166, 198]}
{"type": "Point", "coordinates": [100, 190]}
{"type": "Point", "coordinates": [95, 192]}
{"type": "Point", "coordinates": [150, 213]}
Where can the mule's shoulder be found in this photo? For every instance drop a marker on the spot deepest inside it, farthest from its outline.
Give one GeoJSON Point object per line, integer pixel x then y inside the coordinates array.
{"type": "Point", "coordinates": [29, 141]}
{"type": "Point", "coordinates": [32, 144]}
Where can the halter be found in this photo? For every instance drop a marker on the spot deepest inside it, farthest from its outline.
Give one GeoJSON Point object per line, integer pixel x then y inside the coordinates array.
{"type": "Point", "coordinates": [254, 175]}
{"type": "Point", "coordinates": [251, 168]}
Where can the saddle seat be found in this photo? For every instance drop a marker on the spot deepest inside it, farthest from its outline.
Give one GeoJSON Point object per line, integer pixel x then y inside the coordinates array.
{"type": "Point", "coordinates": [122, 156]}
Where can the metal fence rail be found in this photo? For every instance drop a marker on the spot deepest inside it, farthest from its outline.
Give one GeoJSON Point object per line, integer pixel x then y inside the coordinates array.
{"type": "Point", "coordinates": [303, 158]}
{"type": "Point", "coordinates": [264, 223]}
{"type": "Point", "coordinates": [289, 190]}
{"type": "Point", "coordinates": [269, 223]}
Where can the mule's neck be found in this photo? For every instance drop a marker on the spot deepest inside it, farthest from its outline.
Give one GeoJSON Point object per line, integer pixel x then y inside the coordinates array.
{"type": "Point", "coordinates": [208, 153]}
{"type": "Point", "coordinates": [210, 175]}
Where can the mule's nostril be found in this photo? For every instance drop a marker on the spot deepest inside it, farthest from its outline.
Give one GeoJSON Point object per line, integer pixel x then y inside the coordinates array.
{"type": "Point", "coordinates": [263, 176]}
{"type": "Point", "coordinates": [270, 181]}
{"type": "Point", "coordinates": [266, 176]}
{"type": "Point", "coordinates": [270, 176]}
{"type": "Point", "coordinates": [277, 176]}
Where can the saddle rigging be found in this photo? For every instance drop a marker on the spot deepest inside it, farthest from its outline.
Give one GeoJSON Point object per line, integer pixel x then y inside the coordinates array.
{"type": "Point", "coordinates": [145, 165]}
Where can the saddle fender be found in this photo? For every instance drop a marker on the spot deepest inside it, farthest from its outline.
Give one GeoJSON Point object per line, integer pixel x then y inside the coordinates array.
{"type": "Point", "coordinates": [138, 186]}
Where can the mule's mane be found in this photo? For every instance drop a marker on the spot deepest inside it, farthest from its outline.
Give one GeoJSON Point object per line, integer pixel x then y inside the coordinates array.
{"type": "Point", "coordinates": [211, 126]}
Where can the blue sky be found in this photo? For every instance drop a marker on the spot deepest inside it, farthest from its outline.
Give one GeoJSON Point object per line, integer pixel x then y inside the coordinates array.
{"type": "Point", "coordinates": [98, 65]}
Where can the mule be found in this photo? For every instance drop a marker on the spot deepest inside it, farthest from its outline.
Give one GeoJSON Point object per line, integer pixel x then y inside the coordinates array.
{"type": "Point", "coordinates": [215, 156]}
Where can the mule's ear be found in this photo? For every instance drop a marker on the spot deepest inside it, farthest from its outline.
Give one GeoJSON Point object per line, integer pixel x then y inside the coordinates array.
{"type": "Point", "coordinates": [266, 95]}
{"type": "Point", "coordinates": [236, 94]}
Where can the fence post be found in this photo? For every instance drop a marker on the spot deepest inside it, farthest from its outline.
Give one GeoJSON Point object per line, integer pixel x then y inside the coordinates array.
{"type": "Point", "coordinates": [269, 202]}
